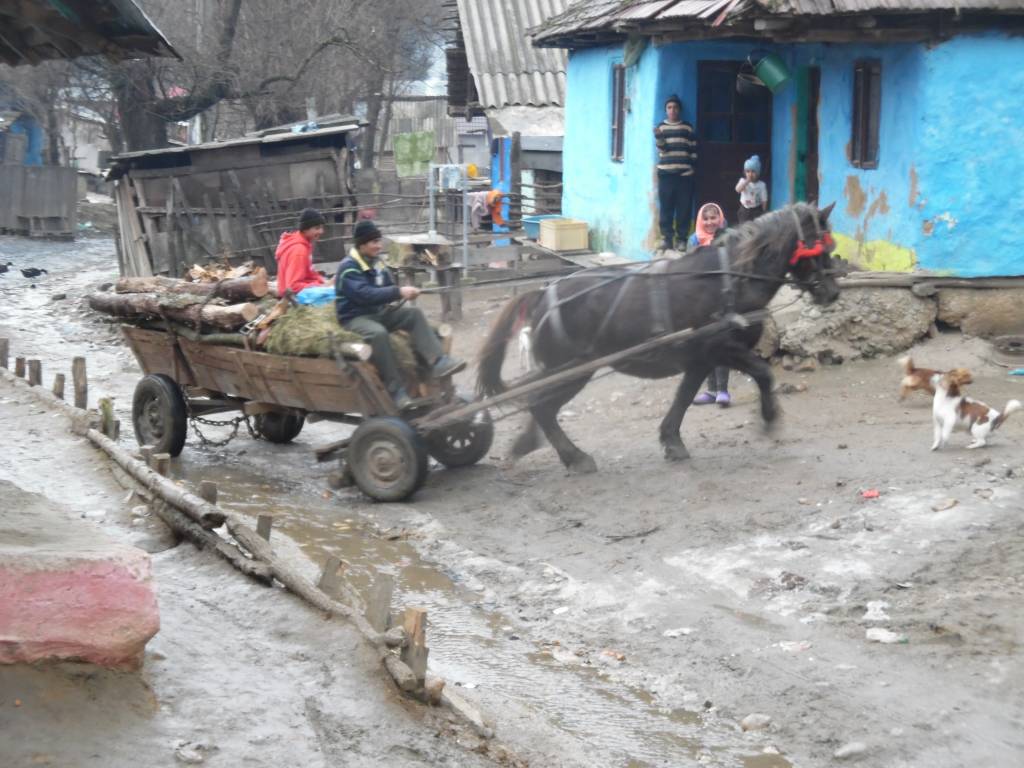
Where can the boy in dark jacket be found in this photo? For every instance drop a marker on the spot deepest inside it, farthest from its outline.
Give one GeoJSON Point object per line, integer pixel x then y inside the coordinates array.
{"type": "Point", "coordinates": [363, 291]}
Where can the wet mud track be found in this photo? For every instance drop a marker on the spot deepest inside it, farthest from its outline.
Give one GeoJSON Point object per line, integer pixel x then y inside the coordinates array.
{"type": "Point", "coordinates": [636, 617]}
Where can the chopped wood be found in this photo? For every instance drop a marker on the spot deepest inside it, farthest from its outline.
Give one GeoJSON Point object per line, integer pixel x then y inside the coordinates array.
{"type": "Point", "coordinates": [404, 677]}
{"type": "Point", "coordinates": [229, 318]}
{"type": "Point", "coordinates": [235, 289]}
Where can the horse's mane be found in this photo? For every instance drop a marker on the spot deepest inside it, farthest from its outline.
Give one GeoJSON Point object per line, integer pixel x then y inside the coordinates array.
{"type": "Point", "coordinates": [771, 231]}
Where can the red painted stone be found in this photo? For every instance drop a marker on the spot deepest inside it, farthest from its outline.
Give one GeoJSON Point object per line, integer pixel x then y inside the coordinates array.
{"type": "Point", "coordinates": [95, 605]}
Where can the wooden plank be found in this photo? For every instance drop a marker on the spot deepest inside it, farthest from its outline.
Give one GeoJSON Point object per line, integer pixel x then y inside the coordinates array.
{"type": "Point", "coordinates": [214, 225]}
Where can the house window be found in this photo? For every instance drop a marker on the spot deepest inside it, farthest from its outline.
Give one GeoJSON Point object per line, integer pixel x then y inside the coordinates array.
{"type": "Point", "coordinates": [867, 105]}
{"type": "Point", "coordinates": [618, 110]}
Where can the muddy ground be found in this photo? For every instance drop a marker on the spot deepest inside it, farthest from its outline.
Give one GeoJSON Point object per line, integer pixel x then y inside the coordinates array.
{"type": "Point", "coordinates": [637, 616]}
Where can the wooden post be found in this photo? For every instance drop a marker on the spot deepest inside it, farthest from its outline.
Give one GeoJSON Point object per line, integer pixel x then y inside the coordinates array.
{"type": "Point", "coordinates": [5, 351]}
{"type": "Point", "coordinates": [208, 491]}
{"type": "Point", "coordinates": [35, 373]}
{"type": "Point", "coordinates": [147, 455]}
{"type": "Point", "coordinates": [19, 367]}
{"type": "Point", "coordinates": [415, 653]}
{"type": "Point", "coordinates": [329, 578]}
{"type": "Point", "coordinates": [162, 463]}
{"type": "Point", "coordinates": [378, 602]}
{"type": "Point", "coordinates": [58, 385]}
{"type": "Point", "coordinates": [106, 408]}
{"type": "Point", "coordinates": [80, 380]}
{"type": "Point", "coordinates": [263, 525]}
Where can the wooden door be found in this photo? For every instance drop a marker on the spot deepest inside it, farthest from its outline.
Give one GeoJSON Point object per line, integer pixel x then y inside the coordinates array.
{"type": "Point", "coordinates": [731, 126]}
{"type": "Point", "coordinates": [811, 158]}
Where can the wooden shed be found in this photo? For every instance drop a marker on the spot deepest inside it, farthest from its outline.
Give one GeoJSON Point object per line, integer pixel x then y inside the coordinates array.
{"type": "Point", "coordinates": [229, 201]}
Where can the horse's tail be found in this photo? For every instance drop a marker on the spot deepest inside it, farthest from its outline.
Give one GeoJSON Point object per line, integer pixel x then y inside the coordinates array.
{"type": "Point", "coordinates": [492, 355]}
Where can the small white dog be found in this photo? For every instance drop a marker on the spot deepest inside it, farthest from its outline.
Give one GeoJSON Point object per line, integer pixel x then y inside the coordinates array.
{"type": "Point", "coordinates": [526, 348]}
{"type": "Point", "coordinates": [951, 410]}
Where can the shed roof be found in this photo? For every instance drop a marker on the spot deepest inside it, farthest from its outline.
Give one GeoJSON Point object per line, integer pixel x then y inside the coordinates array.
{"type": "Point", "coordinates": [507, 69]}
{"type": "Point", "coordinates": [120, 164]}
{"type": "Point", "coordinates": [33, 31]}
{"type": "Point", "coordinates": [592, 21]}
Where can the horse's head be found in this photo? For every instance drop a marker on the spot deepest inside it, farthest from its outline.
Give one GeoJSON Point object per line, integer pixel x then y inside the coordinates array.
{"type": "Point", "coordinates": [810, 264]}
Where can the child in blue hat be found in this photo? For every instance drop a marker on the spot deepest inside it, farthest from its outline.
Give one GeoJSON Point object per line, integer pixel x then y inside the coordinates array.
{"type": "Point", "coordinates": [753, 192]}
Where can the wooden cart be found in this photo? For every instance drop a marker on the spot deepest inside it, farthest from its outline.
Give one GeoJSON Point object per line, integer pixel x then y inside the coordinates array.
{"type": "Point", "coordinates": [386, 456]}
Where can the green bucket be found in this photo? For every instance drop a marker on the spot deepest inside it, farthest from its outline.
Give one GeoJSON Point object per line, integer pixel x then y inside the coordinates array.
{"type": "Point", "coordinates": [772, 71]}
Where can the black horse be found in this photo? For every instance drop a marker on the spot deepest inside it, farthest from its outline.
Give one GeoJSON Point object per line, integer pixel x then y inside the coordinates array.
{"type": "Point", "coordinates": [596, 312]}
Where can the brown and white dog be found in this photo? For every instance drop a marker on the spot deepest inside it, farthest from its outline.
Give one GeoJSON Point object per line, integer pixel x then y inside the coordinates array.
{"type": "Point", "coordinates": [951, 409]}
{"type": "Point", "coordinates": [921, 378]}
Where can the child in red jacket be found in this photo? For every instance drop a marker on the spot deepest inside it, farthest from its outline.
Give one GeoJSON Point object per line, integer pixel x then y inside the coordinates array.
{"type": "Point", "coordinates": [295, 254]}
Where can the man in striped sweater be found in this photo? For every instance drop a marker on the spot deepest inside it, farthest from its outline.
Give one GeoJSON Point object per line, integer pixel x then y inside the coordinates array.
{"type": "Point", "coordinates": [677, 160]}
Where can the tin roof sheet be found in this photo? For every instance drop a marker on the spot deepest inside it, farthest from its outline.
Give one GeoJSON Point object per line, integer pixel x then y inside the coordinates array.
{"type": "Point", "coordinates": [507, 69]}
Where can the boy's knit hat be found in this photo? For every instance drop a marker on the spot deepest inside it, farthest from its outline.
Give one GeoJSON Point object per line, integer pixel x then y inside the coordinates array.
{"type": "Point", "coordinates": [310, 217]}
{"type": "Point", "coordinates": [674, 99]}
{"type": "Point", "coordinates": [365, 231]}
{"type": "Point", "coordinates": [753, 163]}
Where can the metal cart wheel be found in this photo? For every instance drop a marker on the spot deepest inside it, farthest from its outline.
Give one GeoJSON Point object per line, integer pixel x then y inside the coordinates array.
{"type": "Point", "coordinates": [159, 415]}
{"type": "Point", "coordinates": [279, 426]}
{"type": "Point", "coordinates": [387, 458]}
{"type": "Point", "coordinates": [464, 443]}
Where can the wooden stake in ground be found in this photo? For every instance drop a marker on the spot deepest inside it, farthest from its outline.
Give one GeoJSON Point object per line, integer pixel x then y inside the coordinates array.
{"type": "Point", "coordinates": [415, 653]}
{"type": "Point", "coordinates": [5, 351]}
{"type": "Point", "coordinates": [81, 382]}
{"type": "Point", "coordinates": [330, 579]}
{"type": "Point", "coordinates": [35, 373]}
{"type": "Point", "coordinates": [106, 408]}
{"type": "Point", "coordinates": [58, 385]}
{"type": "Point", "coordinates": [263, 525]}
{"type": "Point", "coordinates": [162, 463]}
{"type": "Point", "coordinates": [208, 491]}
{"type": "Point", "coordinates": [378, 602]}
{"type": "Point", "coordinates": [19, 367]}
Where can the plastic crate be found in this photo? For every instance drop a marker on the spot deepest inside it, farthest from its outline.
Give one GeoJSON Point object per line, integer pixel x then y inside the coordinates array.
{"type": "Point", "coordinates": [564, 235]}
{"type": "Point", "coordinates": [532, 224]}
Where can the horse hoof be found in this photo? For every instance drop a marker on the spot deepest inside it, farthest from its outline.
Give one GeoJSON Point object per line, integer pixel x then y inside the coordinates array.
{"type": "Point", "coordinates": [676, 453]}
{"type": "Point", "coordinates": [583, 466]}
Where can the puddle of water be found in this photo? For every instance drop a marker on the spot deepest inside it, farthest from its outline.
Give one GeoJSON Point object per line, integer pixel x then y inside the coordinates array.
{"type": "Point", "coordinates": [616, 723]}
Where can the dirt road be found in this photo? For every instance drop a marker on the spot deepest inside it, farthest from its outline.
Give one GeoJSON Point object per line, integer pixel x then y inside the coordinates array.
{"type": "Point", "coordinates": [636, 617]}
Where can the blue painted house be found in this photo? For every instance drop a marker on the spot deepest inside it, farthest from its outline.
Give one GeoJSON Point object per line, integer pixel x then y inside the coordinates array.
{"type": "Point", "coordinates": [909, 114]}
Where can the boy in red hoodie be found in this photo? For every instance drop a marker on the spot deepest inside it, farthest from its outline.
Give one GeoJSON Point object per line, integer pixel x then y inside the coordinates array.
{"type": "Point", "coordinates": [295, 254]}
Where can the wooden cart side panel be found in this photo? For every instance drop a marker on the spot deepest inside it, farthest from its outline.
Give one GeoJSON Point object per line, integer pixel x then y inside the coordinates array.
{"type": "Point", "coordinates": [313, 384]}
{"type": "Point", "coordinates": [158, 352]}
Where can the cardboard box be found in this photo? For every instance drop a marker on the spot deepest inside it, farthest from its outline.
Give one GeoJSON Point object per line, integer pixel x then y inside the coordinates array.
{"type": "Point", "coordinates": [564, 235]}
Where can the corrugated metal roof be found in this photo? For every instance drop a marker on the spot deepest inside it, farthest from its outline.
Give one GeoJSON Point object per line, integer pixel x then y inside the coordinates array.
{"type": "Point", "coordinates": [40, 30]}
{"type": "Point", "coordinates": [586, 20]}
{"type": "Point", "coordinates": [506, 67]}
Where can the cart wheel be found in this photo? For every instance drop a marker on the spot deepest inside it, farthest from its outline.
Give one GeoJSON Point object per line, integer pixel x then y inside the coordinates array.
{"type": "Point", "coordinates": [279, 426]}
{"type": "Point", "coordinates": [464, 443]}
{"type": "Point", "coordinates": [158, 414]}
{"type": "Point", "coordinates": [387, 459]}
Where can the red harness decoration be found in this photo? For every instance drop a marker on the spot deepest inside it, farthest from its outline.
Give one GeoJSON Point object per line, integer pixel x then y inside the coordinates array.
{"type": "Point", "coordinates": [803, 252]}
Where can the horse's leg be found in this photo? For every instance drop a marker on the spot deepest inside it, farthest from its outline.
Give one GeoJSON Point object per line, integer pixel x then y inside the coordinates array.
{"type": "Point", "coordinates": [745, 360]}
{"type": "Point", "coordinates": [545, 412]}
{"type": "Point", "coordinates": [668, 432]}
{"type": "Point", "coordinates": [529, 440]}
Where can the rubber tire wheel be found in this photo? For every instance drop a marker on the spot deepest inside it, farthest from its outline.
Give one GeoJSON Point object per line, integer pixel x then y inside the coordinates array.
{"type": "Point", "coordinates": [159, 415]}
{"type": "Point", "coordinates": [279, 426]}
{"type": "Point", "coordinates": [387, 459]}
{"type": "Point", "coordinates": [464, 443]}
